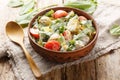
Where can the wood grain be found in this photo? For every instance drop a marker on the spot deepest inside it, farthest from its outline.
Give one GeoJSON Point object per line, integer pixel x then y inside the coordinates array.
{"type": "Point", "coordinates": [108, 66]}
{"type": "Point", "coordinates": [6, 72]}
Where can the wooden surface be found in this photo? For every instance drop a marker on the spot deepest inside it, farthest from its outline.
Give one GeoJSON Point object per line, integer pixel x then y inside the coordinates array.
{"type": "Point", "coordinates": [106, 67]}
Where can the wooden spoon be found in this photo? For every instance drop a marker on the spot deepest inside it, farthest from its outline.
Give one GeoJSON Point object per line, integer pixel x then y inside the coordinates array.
{"type": "Point", "coordinates": [16, 34]}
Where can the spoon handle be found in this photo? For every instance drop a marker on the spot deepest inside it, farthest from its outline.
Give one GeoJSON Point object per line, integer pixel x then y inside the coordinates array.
{"type": "Point", "coordinates": [31, 62]}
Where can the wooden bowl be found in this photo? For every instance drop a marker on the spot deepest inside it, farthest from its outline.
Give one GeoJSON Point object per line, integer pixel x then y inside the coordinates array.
{"type": "Point", "coordinates": [57, 56]}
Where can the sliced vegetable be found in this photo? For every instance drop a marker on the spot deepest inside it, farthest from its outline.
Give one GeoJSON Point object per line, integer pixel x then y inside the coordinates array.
{"type": "Point", "coordinates": [60, 13]}
{"type": "Point", "coordinates": [52, 45]}
{"type": "Point", "coordinates": [54, 36]}
{"type": "Point", "coordinates": [15, 3]}
{"type": "Point", "coordinates": [70, 14]}
{"type": "Point", "coordinates": [81, 18]}
{"type": "Point", "coordinates": [115, 30]}
{"type": "Point", "coordinates": [79, 44]}
{"type": "Point", "coordinates": [49, 13]}
{"type": "Point", "coordinates": [67, 34]}
{"type": "Point", "coordinates": [73, 25]}
{"type": "Point", "coordinates": [34, 32]}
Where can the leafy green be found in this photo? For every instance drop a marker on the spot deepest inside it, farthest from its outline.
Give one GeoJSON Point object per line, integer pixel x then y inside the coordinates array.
{"type": "Point", "coordinates": [79, 36]}
{"type": "Point", "coordinates": [27, 7]}
{"type": "Point", "coordinates": [62, 39]}
{"type": "Point", "coordinates": [23, 20]}
{"type": "Point", "coordinates": [89, 29]}
{"type": "Point", "coordinates": [115, 30]}
{"type": "Point", "coordinates": [49, 13]}
{"type": "Point", "coordinates": [88, 6]}
{"type": "Point", "coordinates": [70, 14]}
{"type": "Point", "coordinates": [15, 3]}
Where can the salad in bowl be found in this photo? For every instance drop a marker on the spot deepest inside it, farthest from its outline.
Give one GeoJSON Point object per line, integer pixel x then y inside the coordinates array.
{"type": "Point", "coordinates": [62, 34]}
{"type": "Point", "coordinates": [62, 31]}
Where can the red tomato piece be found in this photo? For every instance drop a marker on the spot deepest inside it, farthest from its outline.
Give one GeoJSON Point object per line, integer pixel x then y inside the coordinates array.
{"type": "Point", "coordinates": [67, 35]}
{"type": "Point", "coordinates": [34, 33]}
{"type": "Point", "coordinates": [82, 18]}
{"type": "Point", "coordinates": [60, 13]}
{"type": "Point", "coordinates": [52, 45]}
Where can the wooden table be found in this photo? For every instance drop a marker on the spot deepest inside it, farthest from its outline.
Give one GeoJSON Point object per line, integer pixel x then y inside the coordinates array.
{"type": "Point", "coordinates": [106, 67]}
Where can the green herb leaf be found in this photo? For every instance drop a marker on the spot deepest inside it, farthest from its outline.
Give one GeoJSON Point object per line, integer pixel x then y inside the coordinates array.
{"type": "Point", "coordinates": [88, 6]}
{"type": "Point", "coordinates": [28, 7]}
{"type": "Point", "coordinates": [15, 3]}
{"type": "Point", "coordinates": [23, 20]}
{"type": "Point", "coordinates": [115, 30]}
{"type": "Point", "coordinates": [49, 13]}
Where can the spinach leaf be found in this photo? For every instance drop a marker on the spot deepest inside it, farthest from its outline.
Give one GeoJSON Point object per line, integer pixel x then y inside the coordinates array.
{"type": "Point", "coordinates": [115, 30]}
{"type": "Point", "coordinates": [88, 6]}
{"type": "Point", "coordinates": [15, 3]}
{"type": "Point", "coordinates": [89, 29]}
{"type": "Point", "coordinates": [49, 13]}
{"type": "Point", "coordinates": [27, 7]}
{"type": "Point", "coordinates": [23, 20]}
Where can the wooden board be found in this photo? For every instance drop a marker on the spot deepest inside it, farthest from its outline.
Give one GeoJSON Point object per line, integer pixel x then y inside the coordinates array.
{"type": "Point", "coordinates": [6, 72]}
{"type": "Point", "coordinates": [106, 67]}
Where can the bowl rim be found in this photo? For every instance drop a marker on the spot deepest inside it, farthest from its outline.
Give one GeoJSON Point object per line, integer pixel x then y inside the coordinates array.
{"type": "Point", "coordinates": [66, 52]}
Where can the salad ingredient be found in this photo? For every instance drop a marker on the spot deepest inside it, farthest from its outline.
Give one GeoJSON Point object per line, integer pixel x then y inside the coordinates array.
{"type": "Point", "coordinates": [115, 30]}
{"type": "Point", "coordinates": [60, 13]}
{"type": "Point", "coordinates": [23, 20]}
{"type": "Point", "coordinates": [61, 29]}
{"type": "Point", "coordinates": [52, 45]}
{"type": "Point", "coordinates": [81, 18]}
{"type": "Point", "coordinates": [70, 14]}
{"type": "Point", "coordinates": [54, 36]}
{"type": "Point", "coordinates": [27, 7]}
{"type": "Point", "coordinates": [73, 25]}
{"type": "Point", "coordinates": [15, 3]}
{"type": "Point", "coordinates": [45, 20]}
{"type": "Point", "coordinates": [88, 6]}
{"type": "Point", "coordinates": [67, 35]}
{"type": "Point", "coordinates": [49, 13]}
{"type": "Point", "coordinates": [34, 32]}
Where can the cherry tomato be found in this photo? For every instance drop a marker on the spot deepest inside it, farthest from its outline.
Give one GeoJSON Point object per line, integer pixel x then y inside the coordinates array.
{"type": "Point", "coordinates": [34, 33]}
{"type": "Point", "coordinates": [52, 45]}
{"type": "Point", "coordinates": [82, 18]}
{"type": "Point", "coordinates": [60, 13]}
{"type": "Point", "coordinates": [67, 35]}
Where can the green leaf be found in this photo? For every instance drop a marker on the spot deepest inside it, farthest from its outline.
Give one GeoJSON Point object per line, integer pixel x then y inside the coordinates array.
{"type": "Point", "coordinates": [49, 13]}
{"type": "Point", "coordinates": [89, 29]}
{"type": "Point", "coordinates": [27, 7]}
{"type": "Point", "coordinates": [88, 6]}
{"type": "Point", "coordinates": [79, 4]}
{"type": "Point", "coordinates": [15, 3]}
{"type": "Point", "coordinates": [26, 18]}
{"type": "Point", "coordinates": [115, 30]}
